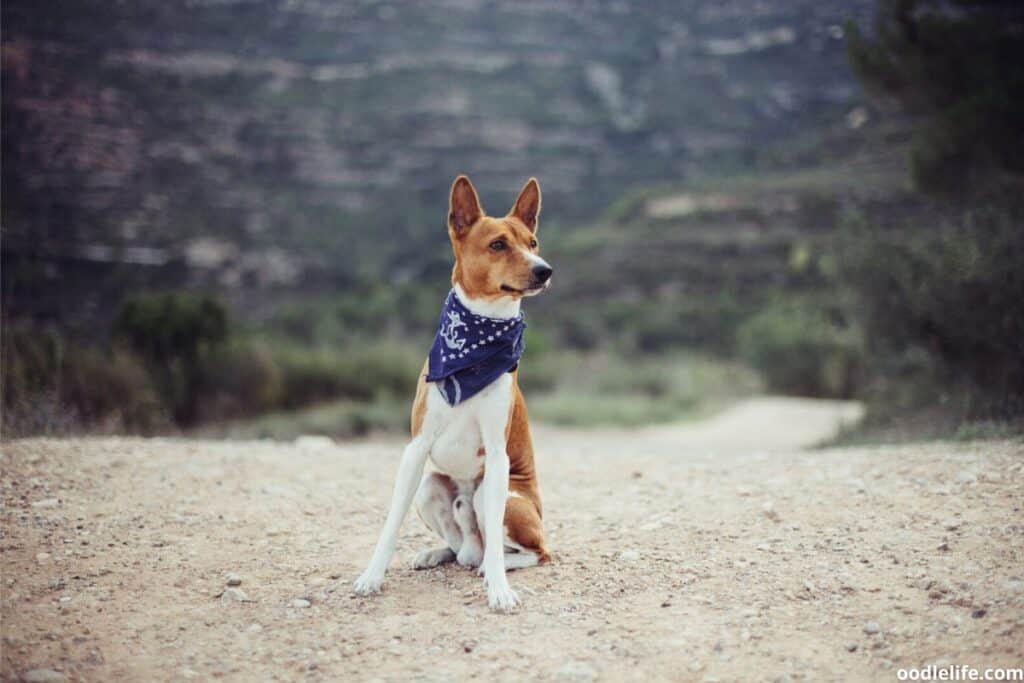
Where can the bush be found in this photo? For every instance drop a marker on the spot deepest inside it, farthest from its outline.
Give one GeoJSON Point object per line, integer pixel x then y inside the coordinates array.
{"type": "Point", "coordinates": [953, 292]}
{"type": "Point", "coordinates": [236, 380]}
{"type": "Point", "coordinates": [800, 350]}
{"type": "Point", "coordinates": [361, 373]}
{"type": "Point", "coordinates": [173, 331]}
{"type": "Point", "coordinates": [52, 386]}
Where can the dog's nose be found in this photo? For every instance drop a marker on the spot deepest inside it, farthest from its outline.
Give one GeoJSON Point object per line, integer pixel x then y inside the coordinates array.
{"type": "Point", "coordinates": [542, 272]}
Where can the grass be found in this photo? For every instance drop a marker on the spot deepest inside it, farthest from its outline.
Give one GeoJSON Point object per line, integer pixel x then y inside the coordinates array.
{"type": "Point", "coordinates": [594, 389]}
{"type": "Point", "coordinates": [922, 425]}
{"type": "Point", "coordinates": [609, 389]}
{"type": "Point", "coordinates": [336, 419]}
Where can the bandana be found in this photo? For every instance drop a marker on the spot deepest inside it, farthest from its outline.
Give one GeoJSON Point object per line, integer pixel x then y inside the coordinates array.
{"type": "Point", "coordinates": [470, 351]}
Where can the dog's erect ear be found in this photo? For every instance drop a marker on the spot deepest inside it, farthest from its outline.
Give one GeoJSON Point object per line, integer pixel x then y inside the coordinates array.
{"type": "Point", "coordinates": [464, 206]}
{"type": "Point", "coordinates": [527, 206]}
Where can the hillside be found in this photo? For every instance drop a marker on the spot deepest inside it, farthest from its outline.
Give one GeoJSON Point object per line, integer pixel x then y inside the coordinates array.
{"type": "Point", "coordinates": [267, 149]}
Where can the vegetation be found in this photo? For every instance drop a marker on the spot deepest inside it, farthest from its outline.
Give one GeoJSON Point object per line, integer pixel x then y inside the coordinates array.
{"type": "Point", "coordinates": [605, 389]}
{"type": "Point", "coordinates": [958, 67]}
{"type": "Point", "coordinates": [52, 385]}
{"type": "Point", "coordinates": [800, 349]}
{"type": "Point", "coordinates": [176, 359]}
{"type": "Point", "coordinates": [943, 306]}
{"type": "Point", "coordinates": [173, 333]}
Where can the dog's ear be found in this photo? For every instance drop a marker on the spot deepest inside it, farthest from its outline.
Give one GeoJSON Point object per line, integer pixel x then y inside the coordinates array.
{"type": "Point", "coordinates": [464, 206]}
{"type": "Point", "coordinates": [527, 206]}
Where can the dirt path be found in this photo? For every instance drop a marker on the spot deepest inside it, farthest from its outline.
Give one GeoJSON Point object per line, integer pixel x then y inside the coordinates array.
{"type": "Point", "coordinates": [715, 551]}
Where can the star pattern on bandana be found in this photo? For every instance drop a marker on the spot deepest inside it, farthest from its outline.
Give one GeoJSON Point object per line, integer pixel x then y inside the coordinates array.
{"type": "Point", "coordinates": [487, 347]}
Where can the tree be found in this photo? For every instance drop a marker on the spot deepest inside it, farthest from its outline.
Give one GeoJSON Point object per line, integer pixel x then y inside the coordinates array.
{"type": "Point", "coordinates": [958, 66]}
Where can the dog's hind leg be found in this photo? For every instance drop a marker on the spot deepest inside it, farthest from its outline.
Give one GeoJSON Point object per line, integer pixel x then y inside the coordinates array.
{"type": "Point", "coordinates": [433, 503]}
{"type": "Point", "coordinates": [524, 533]}
{"type": "Point", "coordinates": [471, 554]}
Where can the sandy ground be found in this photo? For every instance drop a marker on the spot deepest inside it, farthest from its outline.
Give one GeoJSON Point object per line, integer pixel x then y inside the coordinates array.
{"type": "Point", "coordinates": [716, 551]}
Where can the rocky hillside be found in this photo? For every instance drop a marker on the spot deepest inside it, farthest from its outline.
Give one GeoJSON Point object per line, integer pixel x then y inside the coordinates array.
{"type": "Point", "coordinates": [277, 146]}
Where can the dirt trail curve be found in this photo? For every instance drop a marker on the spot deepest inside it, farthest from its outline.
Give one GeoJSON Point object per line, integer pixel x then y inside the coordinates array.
{"type": "Point", "coordinates": [713, 551]}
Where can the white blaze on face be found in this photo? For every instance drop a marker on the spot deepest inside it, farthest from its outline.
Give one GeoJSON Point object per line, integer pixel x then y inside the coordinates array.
{"type": "Point", "coordinates": [536, 261]}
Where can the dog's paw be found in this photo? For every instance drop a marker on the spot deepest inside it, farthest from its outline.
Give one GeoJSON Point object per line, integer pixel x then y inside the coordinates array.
{"type": "Point", "coordinates": [502, 599]}
{"type": "Point", "coordinates": [470, 555]}
{"type": "Point", "coordinates": [367, 584]}
{"type": "Point", "coordinates": [432, 558]}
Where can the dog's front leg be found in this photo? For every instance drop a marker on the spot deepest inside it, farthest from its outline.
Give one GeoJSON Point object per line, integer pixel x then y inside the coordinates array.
{"type": "Point", "coordinates": [410, 471]}
{"type": "Point", "coordinates": [500, 595]}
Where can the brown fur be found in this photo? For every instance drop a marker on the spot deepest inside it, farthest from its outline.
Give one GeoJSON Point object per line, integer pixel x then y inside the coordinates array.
{"type": "Point", "coordinates": [481, 272]}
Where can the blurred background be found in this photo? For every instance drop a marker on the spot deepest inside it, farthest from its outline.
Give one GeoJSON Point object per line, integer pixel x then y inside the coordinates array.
{"type": "Point", "coordinates": [228, 217]}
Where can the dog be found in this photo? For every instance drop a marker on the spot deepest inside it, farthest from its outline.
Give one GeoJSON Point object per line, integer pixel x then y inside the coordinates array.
{"type": "Point", "coordinates": [480, 493]}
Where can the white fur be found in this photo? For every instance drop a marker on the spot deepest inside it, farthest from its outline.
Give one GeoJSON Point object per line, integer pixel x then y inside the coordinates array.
{"type": "Point", "coordinates": [451, 437]}
{"type": "Point", "coordinates": [503, 308]}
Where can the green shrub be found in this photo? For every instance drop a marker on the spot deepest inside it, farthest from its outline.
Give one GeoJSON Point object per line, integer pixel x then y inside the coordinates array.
{"type": "Point", "coordinates": [111, 388]}
{"type": "Point", "coordinates": [173, 331]}
{"type": "Point", "coordinates": [800, 350]}
{"type": "Point", "coordinates": [953, 292]}
{"type": "Point", "coordinates": [238, 379]}
{"type": "Point", "coordinates": [53, 386]}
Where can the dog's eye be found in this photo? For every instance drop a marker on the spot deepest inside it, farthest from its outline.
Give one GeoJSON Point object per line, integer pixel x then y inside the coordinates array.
{"type": "Point", "coordinates": [533, 244]}
{"type": "Point", "coordinates": [497, 245]}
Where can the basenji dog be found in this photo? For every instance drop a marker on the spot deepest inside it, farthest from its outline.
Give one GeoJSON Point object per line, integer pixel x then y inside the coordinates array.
{"type": "Point", "coordinates": [469, 420]}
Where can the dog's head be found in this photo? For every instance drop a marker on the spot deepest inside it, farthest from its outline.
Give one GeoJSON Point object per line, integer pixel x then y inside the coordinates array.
{"type": "Point", "coordinates": [496, 257]}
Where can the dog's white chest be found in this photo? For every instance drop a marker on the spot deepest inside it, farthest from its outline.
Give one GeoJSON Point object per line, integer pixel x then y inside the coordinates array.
{"type": "Point", "coordinates": [456, 451]}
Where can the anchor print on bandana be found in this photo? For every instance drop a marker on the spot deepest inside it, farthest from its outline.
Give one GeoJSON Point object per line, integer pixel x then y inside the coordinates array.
{"type": "Point", "coordinates": [449, 332]}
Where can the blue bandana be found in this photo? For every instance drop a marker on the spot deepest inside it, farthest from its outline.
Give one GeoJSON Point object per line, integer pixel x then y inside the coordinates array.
{"type": "Point", "coordinates": [470, 351]}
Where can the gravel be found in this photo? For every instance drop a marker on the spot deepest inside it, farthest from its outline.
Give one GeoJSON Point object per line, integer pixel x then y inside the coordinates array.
{"type": "Point", "coordinates": [234, 595]}
{"type": "Point", "coordinates": [650, 578]}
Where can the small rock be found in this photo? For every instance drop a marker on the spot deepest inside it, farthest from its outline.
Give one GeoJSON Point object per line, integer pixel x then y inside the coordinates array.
{"type": "Point", "coordinates": [966, 477]}
{"type": "Point", "coordinates": [871, 628]}
{"type": "Point", "coordinates": [46, 503]}
{"type": "Point", "coordinates": [301, 603]}
{"type": "Point", "coordinates": [851, 646]}
{"type": "Point", "coordinates": [234, 580]}
{"type": "Point", "coordinates": [978, 613]}
{"type": "Point", "coordinates": [42, 557]}
{"type": "Point", "coordinates": [43, 676]}
{"type": "Point", "coordinates": [943, 547]}
{"type": "Point", "coordinates": [255, 628]}
{"type": "Point", "coordinates": [768, 510]}
{"type": "Point", "coordinates": [629, 556]}
{"type": "Point", "coordinates": [234, 595]}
